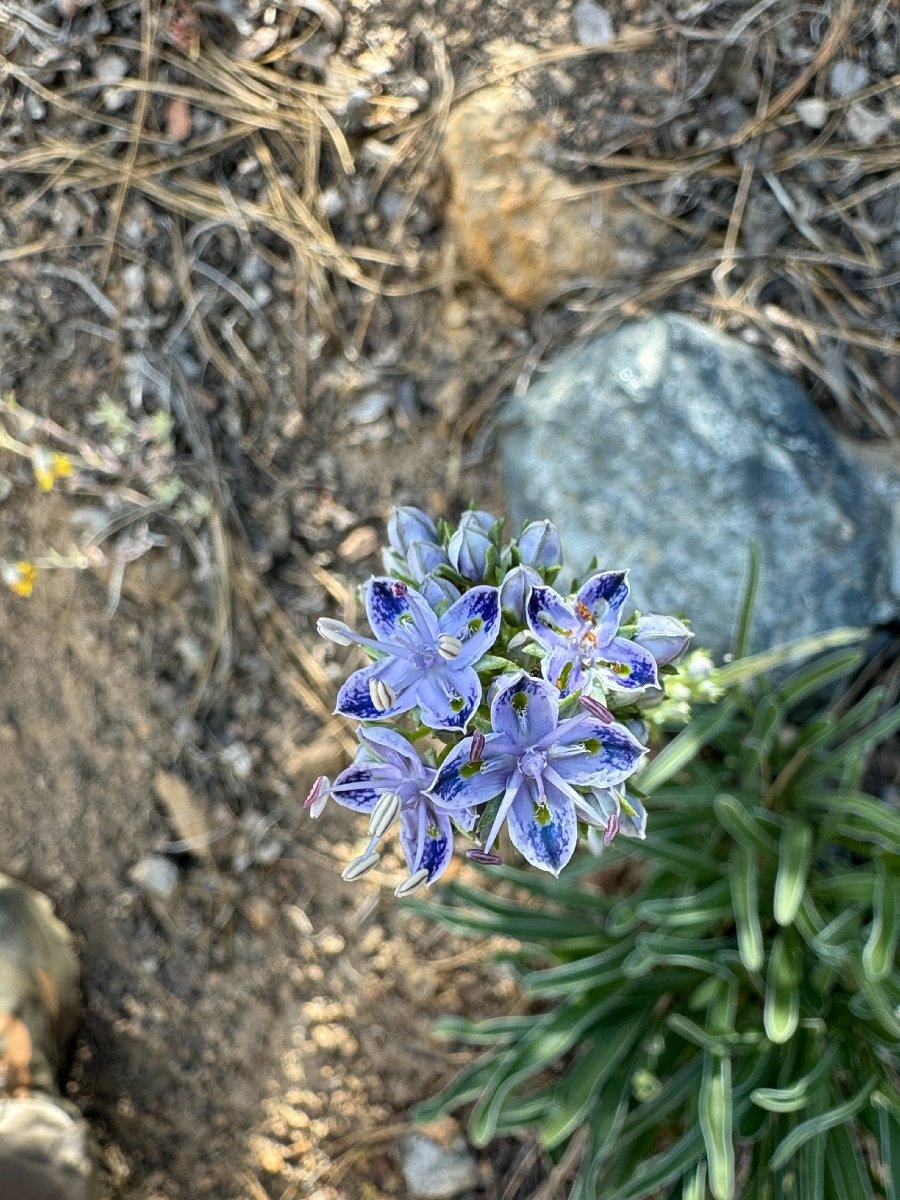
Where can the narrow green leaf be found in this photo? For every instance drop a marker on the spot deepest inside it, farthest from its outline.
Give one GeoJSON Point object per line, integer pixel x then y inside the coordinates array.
{"type": "Point", "coordinates": [810, 1166]}
{"type": "Point", "coordinates": [748, 601]}
{"type": "Point", "coordinates": [695, 1183]}
{"type": "Point", "coordinates": [462, 1089]}
{"type": "Point", "coordinates": [794, 856]}
{"type": "Point", "coordinates": [715, 1112]}
{"type": "Point", "coordinates": [889, 1150]}
{"type": "Point", "coordinates": [799, 1094]}
{"type": "Point", "coordinates": [589, 972]}
{"type": "Point", "coordinates": [880, 950]}
{"type": "Point", "coordinates": [762, 664]}
{"type": "Point", "coordinates": [846, 1175]}
{"type": "Point", "coordinates": [757, 744]}
{"type": "Point", "coordinates": [494, 1031]}
{"type": "Point", "coordinates": [743, 824]}
{"type": "Point", "coordinates": [654, 1173]}
{"type": "Point", "coordinates": [686, 746]}
{"type": "Point", "coordinates": [818, 675]}
{"type": "Point", "coordinates": [716, 1043]}
{"type": "Point", "coordinates": [743, 878]}
{"type": "Point", "coordinates": [820, 1123]}
{"type": "Point", "coordinates": [576, 1092]}
{"type": "Point", "coordinates": [782, 1004]}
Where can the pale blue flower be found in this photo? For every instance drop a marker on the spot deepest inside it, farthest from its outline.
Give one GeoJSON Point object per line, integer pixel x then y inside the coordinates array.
{"type": "Point", "coordinates": [426, 659]}
{"type": "Point", "coordinates": [581, 636]}
{"type": "Point", "coordinates": [534, 763]}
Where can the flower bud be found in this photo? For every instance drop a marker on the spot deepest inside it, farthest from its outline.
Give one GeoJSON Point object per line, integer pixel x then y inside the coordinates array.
{"type": "Point", "coordinates": [438, 591]}
{"type": "Point", "coordinates": [514, 591]}
{"type": "Point", "coordinates": [665, 637]}
{"type": "Point", "coordinates": [478, 519]}
{"type": "Point", "coordinates": [423, 559]}
{"type": "Point", "coordinates": [408, 525]}
{"type": "Point", "coordinates": [539, 545]}
{"type": "Point", "coordinates": [468, 550]}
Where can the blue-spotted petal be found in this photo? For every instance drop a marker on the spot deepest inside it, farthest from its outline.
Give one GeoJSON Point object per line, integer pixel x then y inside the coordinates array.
{"type": "Point", "coordinates": [460, 783]}
{"type": "Point", "coordinates": [525, 711]}
{"type": "Point", "coordinates": [544, 834]}
{"type": "Point", "coordinates": [550, 619]}
{"type": "Point", "coordinates": [601, 599]}
{"type": "Point", "coordinates": [354, 698]}
{"type": "Point", "coordinates": [448, 696]}
{"type": "Point", "coordinates": [362, 785]}
{"type": "Point", "coordinates": [635, 667]}
{"type": "Point", "coordinates": [562, 667]}
{"type": "Point", "coordinates": [475, 620]}
{"type": "Point", "coordinates": [398, 614]}
{"type": "Point", "coordinates": [391, 748]}
{"type": "Point", "coordinates": [427, 840]}
{"type": "Point", "coordinates": [589, 753]}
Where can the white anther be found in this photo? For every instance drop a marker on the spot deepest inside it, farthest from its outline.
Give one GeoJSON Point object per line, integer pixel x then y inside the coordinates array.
{"type": "Point", "coordinates": [381, 694]}
{"type": "Point", "coordinates": [408, 886]}
{"type": "Point", "coordinates": [449, 646]}
{"type": "Point", "coordinates": [359, 866]}
{"type": "Point", "coordinates": [384, 814]}
{"type": "Point", "coordinates": [334, 631]}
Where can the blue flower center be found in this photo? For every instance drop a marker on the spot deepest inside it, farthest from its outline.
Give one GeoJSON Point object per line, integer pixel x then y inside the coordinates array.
{"type": "Point", "coordinates": [532, 763]}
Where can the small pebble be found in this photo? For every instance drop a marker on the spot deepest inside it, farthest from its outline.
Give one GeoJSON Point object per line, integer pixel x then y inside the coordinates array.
{"type": "Point", "coordinates": [812, 112]}
{"type": "Point", "coordinates": [847, 77]}
{"type": "Point", "coordinates": [593, 24]}
{"type": "Point", "coordinates": [155, 875]}
{"type": "Point", "coordinates": [435, 1172]}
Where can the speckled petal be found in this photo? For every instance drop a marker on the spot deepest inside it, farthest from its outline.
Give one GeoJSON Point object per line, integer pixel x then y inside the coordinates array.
{"type": "Point", "coordinates": [427, 840]}
{"type": "Point", "coordinates": [362, 785]}
{"type": "Point", "coordinates": [635, 667]}
{"type": "Point", "coordinates": [601, 599]}
{"type": "Point", "coordinates": [589, 753]}
{"type": "Point", "coordinates": [354, 700]}
{"type": "Point", "coordinates": [562, 667]}
{"type": "Point", "coordinates": [550, 619]}
{"type": "Point", "coordinates": [475, 620]}
{"type": "Point", "coordinates": [459, 783]}
{"type": "Point", "coordinates": [448, 696]}
{"type": "Point", "coordinates": [547, 834]}
{"type": "Point", "coordinates": [526, 710]}
{"type": "Point", "coordinates": [397, 613]}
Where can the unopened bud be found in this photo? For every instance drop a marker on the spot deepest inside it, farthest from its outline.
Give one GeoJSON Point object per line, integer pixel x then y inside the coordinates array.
{"type": "Point", "coordinates": [539, 545]}
{"type": "Point", "coordinates": [665, 637]}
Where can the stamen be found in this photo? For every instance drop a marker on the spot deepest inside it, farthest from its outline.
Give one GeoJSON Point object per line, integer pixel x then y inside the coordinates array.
{"type": "Point", "coordinates": [477, 748]}
{"type": "Point", "coordinates": [596, 709]}
{"type": "Point", "coordinates": [410, 885]}
{"type": "Point", "coordinates": [449, 647]}
{"type": "Point", "coordinates": [360, 866]}
{"type": "Point", "coordinates": [381, 694]}
{"type": "Point", "coordinates": [384, 814]}
{"type": "Point", "coordinates": [612, 830]}
{"type": "Point", "coordinates": [484, 858]}
{"type": "Point", "coordinates": [334, 631]}
{"type": "Point", "coordinates": [318, 796]}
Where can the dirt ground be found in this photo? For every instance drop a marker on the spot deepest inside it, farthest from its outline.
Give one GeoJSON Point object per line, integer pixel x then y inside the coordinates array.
{"type": "Point", "coordinates": [236, 214]}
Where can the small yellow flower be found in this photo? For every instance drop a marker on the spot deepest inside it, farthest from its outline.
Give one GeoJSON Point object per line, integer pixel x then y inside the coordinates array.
{"type": "Point", "coordinates": [19, 576]}
{"type": "Point", "coordinates": [48, 466]}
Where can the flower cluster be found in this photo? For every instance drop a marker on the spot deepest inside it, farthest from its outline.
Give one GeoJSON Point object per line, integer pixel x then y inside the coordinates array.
{"type": "Point", "coordinates": [491, 699]}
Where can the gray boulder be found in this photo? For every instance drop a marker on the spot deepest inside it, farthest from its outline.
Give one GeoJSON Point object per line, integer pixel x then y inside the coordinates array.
{"type": "Point", "coordinates": [665, 447]}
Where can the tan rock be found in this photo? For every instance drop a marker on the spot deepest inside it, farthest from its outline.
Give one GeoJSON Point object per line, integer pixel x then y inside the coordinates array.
{"type": "Point", "coordinates": [518, 223]}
